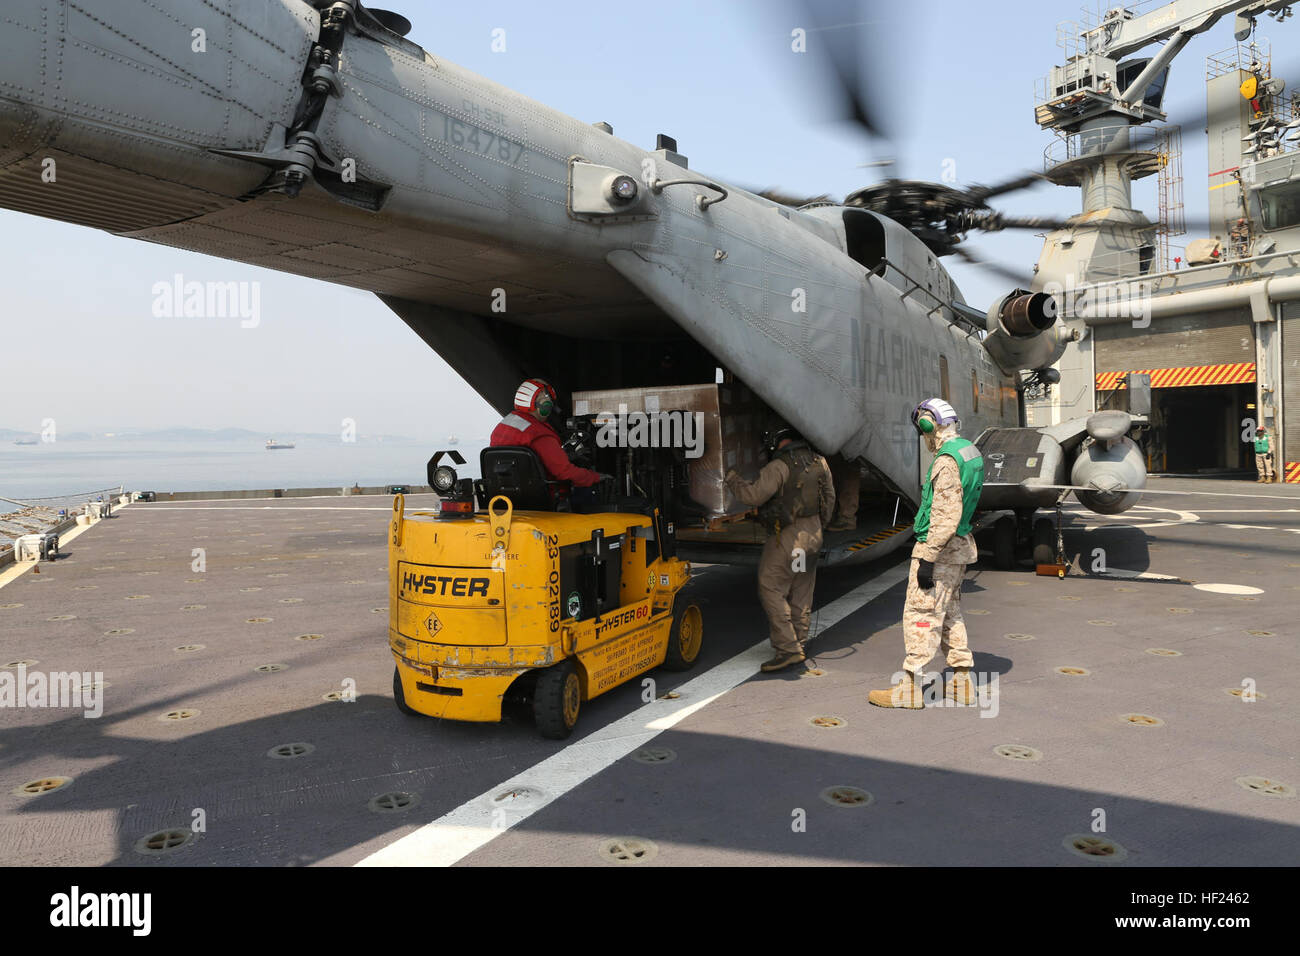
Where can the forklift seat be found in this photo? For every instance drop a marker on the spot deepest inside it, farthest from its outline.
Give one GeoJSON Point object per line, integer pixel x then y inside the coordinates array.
{"type": "Point", "coordinates": [516, 472]}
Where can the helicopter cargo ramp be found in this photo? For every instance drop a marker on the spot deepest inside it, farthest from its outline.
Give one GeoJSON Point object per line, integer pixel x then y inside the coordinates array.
{"type": "Point", "coordinates": [1151, 689]}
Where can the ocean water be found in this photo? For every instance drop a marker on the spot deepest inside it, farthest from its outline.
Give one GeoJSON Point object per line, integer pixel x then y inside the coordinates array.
{"type": "Point", "coordinates": [75, 467]}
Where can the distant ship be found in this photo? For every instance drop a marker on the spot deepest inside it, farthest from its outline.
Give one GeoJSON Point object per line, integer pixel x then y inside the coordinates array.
{"type": "Point", "coordinates": [453, 440]}
{"type": "Point", "coordinates": [25, 441]}
{"type": "Point", "coordinates": [273, 445]}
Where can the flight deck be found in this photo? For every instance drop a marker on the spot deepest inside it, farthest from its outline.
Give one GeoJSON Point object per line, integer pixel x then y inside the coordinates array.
{"type": "Point", "coordinates": [1139, 712]}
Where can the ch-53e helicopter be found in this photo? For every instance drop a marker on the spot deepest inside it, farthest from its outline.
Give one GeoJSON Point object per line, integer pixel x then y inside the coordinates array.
{"type": "Point", "coordinates": [315, 138]}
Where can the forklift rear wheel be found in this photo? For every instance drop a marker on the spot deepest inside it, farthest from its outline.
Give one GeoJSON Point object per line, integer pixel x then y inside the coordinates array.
{"type": "Point", "coordinates": [685, 637]}
{"type": "Point", "coordinates": [1004, 543]}
{"type": "Point", "coordinates": [399, 696]}
{"type": "Point", "coordinates": [556, 700]}
{"type": "Point", "coordinates": [1044, 542]}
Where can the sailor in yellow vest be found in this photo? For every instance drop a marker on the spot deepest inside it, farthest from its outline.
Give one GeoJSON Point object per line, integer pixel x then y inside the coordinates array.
{"type": "Point", "coordinates": [796, 499]}
{"type": "Point", "coordinates": [944, 546]}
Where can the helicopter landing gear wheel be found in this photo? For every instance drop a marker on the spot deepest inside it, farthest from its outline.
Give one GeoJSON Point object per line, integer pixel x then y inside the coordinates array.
{"type": "Point", "coordinates": [1044, 542]}
{"type": "Point", "coordinates": [1004, 543]}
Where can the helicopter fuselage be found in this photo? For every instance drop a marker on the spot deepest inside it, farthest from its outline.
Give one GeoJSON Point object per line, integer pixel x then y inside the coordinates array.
{"type": "Point", "coordinates": [501, 230]}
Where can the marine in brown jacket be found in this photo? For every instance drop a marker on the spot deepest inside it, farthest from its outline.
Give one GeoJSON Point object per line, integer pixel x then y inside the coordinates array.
{"type": "Point", "coordinates": [796, 499]}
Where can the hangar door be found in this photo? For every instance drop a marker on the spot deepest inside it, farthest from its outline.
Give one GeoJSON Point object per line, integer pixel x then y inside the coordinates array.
{"type": "Point", "coordinates": [1202, 370]}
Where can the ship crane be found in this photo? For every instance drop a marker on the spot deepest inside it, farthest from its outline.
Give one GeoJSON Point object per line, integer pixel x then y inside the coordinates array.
{"type": "Point", "coordinates": [1093, 102]}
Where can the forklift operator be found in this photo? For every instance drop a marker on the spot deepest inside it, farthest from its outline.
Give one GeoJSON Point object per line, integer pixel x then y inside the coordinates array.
{"type": "Point", "coordinates": [527, 426]}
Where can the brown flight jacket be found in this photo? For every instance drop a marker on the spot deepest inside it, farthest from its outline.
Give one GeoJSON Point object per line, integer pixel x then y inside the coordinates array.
{"type": "Point", "coordinates": [771, 481]}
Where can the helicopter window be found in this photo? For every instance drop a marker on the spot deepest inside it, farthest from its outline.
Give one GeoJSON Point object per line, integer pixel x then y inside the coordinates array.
{"type": "Point", "coordinates": [943, 378]}
{"type": "Point", "coordinates": [1279, 206]}
{"type": "Point", "coordinates": [865, 237]}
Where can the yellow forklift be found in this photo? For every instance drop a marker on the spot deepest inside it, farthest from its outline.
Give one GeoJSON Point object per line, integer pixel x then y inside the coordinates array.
{"type": "Point", "coordinates": [497, 593]}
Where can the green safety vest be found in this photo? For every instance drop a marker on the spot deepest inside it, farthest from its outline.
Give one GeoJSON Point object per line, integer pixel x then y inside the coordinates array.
{"type": "Point", "coordinates": [1261, 444]}
{"type": "Point", "coordinates": [971, 465]}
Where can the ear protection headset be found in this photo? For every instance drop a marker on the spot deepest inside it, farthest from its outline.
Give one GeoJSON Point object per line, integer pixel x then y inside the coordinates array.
{"type": "Point", "coordinates": [932, 413]}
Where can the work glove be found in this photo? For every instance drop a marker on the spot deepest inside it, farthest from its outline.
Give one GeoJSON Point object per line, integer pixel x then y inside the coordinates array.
{"type": "Point", "coordinates": [925, 575]}
{"type": "Point", "coordinates": [605, 477]}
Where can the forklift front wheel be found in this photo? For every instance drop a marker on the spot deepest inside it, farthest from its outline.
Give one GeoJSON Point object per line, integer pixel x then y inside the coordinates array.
{"type": "Point", "coordinates": [399, 697]}
{"type": "Point", "coordinates": [556, 700]}
{"type": "Point", "coordinates": [685, 637]}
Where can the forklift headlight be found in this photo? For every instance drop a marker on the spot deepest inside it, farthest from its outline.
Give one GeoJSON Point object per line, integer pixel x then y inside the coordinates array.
{"type": "Point", "coordinates": [444, 479]}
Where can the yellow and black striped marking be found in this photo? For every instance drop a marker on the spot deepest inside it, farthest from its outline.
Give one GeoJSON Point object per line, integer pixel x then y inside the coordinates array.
{"type": "Point", "coordinates": [878, 537]}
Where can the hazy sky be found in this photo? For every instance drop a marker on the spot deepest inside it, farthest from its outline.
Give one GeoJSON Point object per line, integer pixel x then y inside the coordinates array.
{"type": "Point", "coordinates": [720, 76]}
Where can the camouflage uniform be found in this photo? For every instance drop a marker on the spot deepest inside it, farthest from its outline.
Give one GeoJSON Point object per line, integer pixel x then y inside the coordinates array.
{"type": "Point", "coordinates": [786, 594]}
{"type": "Point", "coordinates": [932, 619]}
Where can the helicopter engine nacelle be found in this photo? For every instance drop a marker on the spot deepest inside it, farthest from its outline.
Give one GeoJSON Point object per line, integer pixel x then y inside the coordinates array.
{"type": "Point", "coordinates": [1024, 332]}
{"type": "Point", "coordinates": [1111, 468]}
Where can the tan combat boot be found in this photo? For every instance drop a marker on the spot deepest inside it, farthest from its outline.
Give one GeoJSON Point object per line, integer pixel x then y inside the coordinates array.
{"type": "Point", "coordinates": [906, 694]}
{"type": "Point", "coordinates": [781, 661]}
{"type": "Point", "coordinates": [961, 689]}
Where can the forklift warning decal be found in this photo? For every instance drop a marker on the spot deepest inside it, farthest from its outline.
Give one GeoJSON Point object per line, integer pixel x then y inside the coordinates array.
{"type": "Point", "coordinates": [623, 656]}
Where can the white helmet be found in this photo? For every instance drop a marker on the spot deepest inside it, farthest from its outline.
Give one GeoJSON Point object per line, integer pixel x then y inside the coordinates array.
{"type": "Point", "coordinates": [940, 411]}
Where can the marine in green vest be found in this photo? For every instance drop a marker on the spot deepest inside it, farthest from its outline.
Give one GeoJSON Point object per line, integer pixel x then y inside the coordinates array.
{"type": "Point", "coordinates": [932, 617]}
{"type": "Point", "coordinates": [1264, 456]}
{"type": "Point", "coordinates": [796, 499]}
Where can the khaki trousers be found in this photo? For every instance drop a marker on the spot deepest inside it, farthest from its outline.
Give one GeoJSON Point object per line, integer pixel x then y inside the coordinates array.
{"type": "Point", "coordinates": [1264, 465]}
{"type": "Point", "coordinates": [932, 619]}
{"type": "Point", "coordinates": [787, 594]}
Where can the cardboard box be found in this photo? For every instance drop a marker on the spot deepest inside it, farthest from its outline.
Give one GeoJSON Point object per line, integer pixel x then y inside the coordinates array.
{"type": "Point", "coordinates": [729, 418]}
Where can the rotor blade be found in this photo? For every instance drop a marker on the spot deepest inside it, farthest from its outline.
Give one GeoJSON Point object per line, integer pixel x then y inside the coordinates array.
{"type": "Point", "coordinates": [1017, 279]}
{"type": "Point", "coordinates": [839, 35]}
{"type": "Point", "coordinates": [777, 195]}
{"type": "Point", "coordinates": [995, 222]}
{"type": "Point", "coordinates": [1014, 184]}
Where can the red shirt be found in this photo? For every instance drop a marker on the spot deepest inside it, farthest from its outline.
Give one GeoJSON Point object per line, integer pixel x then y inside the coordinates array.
{"type": "Point", "coordinates": [520, 428]}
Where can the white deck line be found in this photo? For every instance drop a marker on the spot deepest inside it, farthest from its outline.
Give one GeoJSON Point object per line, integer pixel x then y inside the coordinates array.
{"type": "Point", "coordinates": [475, 823]}
{"type": "Point", "coordinates": [182, 506]}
